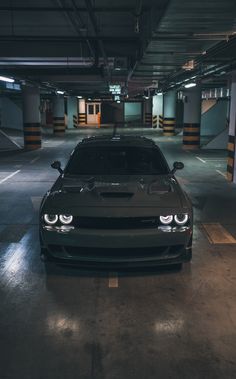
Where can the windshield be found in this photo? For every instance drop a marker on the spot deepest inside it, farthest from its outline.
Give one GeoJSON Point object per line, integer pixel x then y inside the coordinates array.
{"type": "Point", "coordinates": [117, 160]}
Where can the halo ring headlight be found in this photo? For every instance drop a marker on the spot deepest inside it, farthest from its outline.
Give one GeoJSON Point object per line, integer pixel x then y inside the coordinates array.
{"type": "Point", "coordinates": [50, 219]}
{"type": "Point", "coordinates": [66, 219]}
{"type": "Point", "coordinates": [166, 220]}
{"type": "Point", "coordinates": [181, 219]}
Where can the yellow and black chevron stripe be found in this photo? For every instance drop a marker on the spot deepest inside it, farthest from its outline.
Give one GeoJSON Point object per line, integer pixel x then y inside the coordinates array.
{"type": "Point", "coordinates": [191, 136]}
{"type": "Point", "coordinates": [169, 126]}
{"type": "Point", "coordinates": [75, 121]}
{"type": "Point", "coordinates": [32, 135]}
{"type": "Point", "coordinates": [82, 118]}
{"type": "Point", "coordinates": [59, 126]}
{"type": "Point", "coordinates": [154, 121]}
{"type": "Point", "coordinates": [160, 121]}
{"type": "Point", "coordinates": [230, 163]}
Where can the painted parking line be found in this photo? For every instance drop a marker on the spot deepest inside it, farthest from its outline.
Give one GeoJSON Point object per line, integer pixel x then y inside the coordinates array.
{"type": "Point", "coordinates": [113, 281]}
{"type": "Point", "coordinates": [209, 159]}
{"type": "Point", "coordinates": [217, 234]}
{"type": "Point", "coordinates": [200, 159]}
{"type": "Point", "coordinates": [222, 173]}
{"type": "Point", "coordinates": [34, 160]}
{"type": "Point", "coordinates": [9, 176]}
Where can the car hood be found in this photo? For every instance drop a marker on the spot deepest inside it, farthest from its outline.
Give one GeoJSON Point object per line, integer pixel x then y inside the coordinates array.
{"type": "Point", "coordinates": [115, 191]}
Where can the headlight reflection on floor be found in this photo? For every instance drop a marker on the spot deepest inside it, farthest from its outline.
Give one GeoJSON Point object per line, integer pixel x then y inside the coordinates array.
{"type": "Point", "coordinates": [169, 326]}
{"type": "Point", "coordinates": [57, 323]}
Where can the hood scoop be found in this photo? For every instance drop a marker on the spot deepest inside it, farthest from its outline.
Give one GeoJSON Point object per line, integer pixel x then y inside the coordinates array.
{"type": "Point", "coordinates": [74, 189]}
{"type": "Point", "coordinates": [116, 195]}
{"type": "Point", "coordinates": [159, 188]}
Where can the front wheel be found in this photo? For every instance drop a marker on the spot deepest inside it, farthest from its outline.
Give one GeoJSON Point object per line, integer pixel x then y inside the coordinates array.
{"type": "Point", "coordinates": [188, 255]}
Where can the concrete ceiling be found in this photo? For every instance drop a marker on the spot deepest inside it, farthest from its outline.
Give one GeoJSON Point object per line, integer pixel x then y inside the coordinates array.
{"type": "Point", "coordinates": [82, 46]}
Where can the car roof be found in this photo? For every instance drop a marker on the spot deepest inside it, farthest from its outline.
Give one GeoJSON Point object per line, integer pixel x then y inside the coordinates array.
{"type": "Point", "coordinates": [117, 140]}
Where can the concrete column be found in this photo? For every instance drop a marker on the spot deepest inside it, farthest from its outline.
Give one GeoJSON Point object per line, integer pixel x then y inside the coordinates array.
{"type": "Point", "coordinates": [58, 115]}
{"type": "Point", "coordinates": [231, 165]}
{"type": "Point", "coordinates": [147, 104]}
{"type": "Point", "coordinates": [72, 112]}
{"type": "Point", "coordinates": [169, 113]}
{"type": "Point", "coordinates": [158, 110]}
{"type": "Point", "coordinates": [192, 118]}
{"type": "Point", "coordinates": [31, 118]}
{"type": "Point", "coordinates": [82, 112]}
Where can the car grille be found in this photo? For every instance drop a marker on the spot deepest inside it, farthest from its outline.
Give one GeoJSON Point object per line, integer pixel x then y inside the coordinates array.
{"type": "Point", "coordinates": [116, 223]}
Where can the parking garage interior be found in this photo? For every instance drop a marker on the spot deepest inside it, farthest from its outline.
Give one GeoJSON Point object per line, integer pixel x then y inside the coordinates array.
{"type": "Point", "coordinates": [162, 69]}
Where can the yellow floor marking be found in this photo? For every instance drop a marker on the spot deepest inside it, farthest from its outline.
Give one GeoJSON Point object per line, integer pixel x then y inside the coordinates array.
{"type": "Point", "coordinates": [217, 234]}
{"type": "Point", "coordinates": [113, 280]}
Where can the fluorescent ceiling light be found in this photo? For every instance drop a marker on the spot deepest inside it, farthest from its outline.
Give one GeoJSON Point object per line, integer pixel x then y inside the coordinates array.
{"type": "Point", "coordinates": [159, 93]}
{"type": "Point", "coordinates": [189, 85]}
{"type": "Point", "coordinates": [79, 97]}
{"type": "Point", "coordinates": [60, 92]}
{"type": "Point", "coordinates": [5, 79]}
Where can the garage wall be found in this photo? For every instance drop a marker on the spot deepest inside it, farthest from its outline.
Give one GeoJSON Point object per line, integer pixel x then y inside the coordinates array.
{"type": "Point", "coordinates": [11, 113]}
{"type": "Point", "coordinates": [112, 113]}
{"type": "Point", "coordinates": [214, 115]}
{"type": "Point", "coordinates": [133, 112]}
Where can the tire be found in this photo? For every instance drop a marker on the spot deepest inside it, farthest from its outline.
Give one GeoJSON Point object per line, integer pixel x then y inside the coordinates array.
{"type": "Point", "coordinates": [188, 255]}
{"type": "Point", "coordinates": [188, 251]}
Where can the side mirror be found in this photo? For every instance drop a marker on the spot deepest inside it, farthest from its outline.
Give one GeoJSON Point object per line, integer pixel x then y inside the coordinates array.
{"type": "Point", "coordinates": [57, 166]}
{"type": "Point", "coordinates": [177, 166]}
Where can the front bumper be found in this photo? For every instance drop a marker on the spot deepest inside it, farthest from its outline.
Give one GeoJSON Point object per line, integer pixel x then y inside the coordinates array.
{"type": "Point", "coordinates": [146, 246]}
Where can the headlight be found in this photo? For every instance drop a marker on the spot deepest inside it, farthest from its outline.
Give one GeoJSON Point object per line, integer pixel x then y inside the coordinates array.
{"type": "Point", "coordinates": [65, 219]}
{"type": "Point", "coordinates": [50, 219]}
{"type": "Point", "coordinates": [166, 220]}
{"type": "Point", "coordinates": [181, 219]}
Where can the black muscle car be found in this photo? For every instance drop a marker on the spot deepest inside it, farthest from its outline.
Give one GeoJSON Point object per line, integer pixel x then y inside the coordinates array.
{"type": "Point", "coordinates": [116, 202]}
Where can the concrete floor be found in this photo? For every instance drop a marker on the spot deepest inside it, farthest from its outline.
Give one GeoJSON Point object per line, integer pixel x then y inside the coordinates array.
{"type": "Point", "coordinates": [69, 323]}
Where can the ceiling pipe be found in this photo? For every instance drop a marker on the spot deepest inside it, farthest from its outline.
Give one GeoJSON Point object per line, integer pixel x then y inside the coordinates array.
{"type": "Point", "coordinates": [140, 55]}
{"type": "Point", "coordinates": [138, 11]}
{"type": "Point", "coordinates": [37, 9]}
{"type": "Point", "coordinates": [201, 59]}
{"type": "Point", "coordinates": [201, 75]}
{"type": "Point", "coordinates": [74, 24]}
{"type": "Point", "coordinates": [93, 20]}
